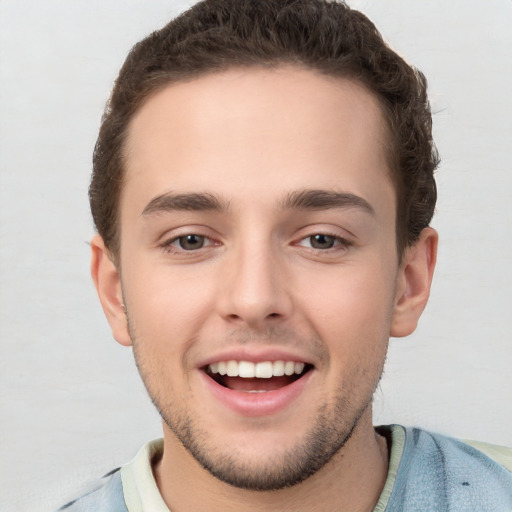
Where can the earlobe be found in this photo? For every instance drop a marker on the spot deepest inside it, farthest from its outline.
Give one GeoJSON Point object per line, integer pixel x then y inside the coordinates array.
{"type": "Point", "coordinates": [108, 286]}
{"type": "Point", "coordinates": [413, 283]}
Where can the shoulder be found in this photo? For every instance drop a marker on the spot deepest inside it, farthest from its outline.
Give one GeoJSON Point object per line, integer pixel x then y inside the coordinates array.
{"type": "Point", "coordinates": [437, 472]}
{"type": "Point", "coordinates": [455, 453]}
{"type": "Point", "coordinates": [105, 495]}
{"type": "Point", "coordinates": [500, 454]}
{"type": "Point", "coordinates": [129, 488]}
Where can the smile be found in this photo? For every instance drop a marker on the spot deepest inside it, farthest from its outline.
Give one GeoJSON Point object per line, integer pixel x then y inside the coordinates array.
{"type": "Point", "coordinates": [260, 377]}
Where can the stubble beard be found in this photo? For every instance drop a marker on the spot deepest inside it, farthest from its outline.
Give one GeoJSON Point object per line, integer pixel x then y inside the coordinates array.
{"type": "Point", "coordinates": [282, 470]}
{"type": "Point", "coordinates": [334, 424]}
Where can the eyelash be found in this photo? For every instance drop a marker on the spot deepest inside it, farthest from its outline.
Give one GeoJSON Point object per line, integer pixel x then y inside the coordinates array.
{"type": "Point", "coordinates": [339, 243]}
{"type": "Point", "coordinates": [169, 246]}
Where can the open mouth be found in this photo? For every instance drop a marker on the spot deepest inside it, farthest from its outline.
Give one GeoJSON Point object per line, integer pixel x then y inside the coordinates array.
{"type": "Point", "coordinates": [258, 377]}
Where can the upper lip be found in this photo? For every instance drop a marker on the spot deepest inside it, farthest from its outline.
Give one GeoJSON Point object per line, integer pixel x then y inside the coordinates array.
{"type": "Point", "coordinates": [256, 355]}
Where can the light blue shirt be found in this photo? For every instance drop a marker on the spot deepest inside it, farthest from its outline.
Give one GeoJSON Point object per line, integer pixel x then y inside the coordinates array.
{"type": "Point", "coordinates": [427, 473]}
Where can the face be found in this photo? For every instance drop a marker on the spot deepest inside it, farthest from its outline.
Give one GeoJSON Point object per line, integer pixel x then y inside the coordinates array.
{"type": "Point", "coordinates": [259, 270]}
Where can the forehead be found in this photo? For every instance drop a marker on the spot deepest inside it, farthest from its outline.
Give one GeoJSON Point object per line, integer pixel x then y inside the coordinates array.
{"type": "Point", "coordinates": [254, 132]}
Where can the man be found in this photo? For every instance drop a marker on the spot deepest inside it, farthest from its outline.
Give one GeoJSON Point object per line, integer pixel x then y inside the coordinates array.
{"type": "Point", "coordinates": [262, 189]}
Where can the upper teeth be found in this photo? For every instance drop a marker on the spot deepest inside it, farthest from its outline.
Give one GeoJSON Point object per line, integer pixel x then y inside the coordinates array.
{"type": "Point", "coordinates": [263, 370]}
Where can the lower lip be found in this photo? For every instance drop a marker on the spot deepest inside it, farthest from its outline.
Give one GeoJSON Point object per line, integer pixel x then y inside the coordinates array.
{"type": "Point", "coordinates": [257, 404]}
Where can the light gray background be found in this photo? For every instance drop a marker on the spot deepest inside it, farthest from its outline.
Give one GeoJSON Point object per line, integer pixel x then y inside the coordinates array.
{"type": "Point", "coordinates": [72, 406]}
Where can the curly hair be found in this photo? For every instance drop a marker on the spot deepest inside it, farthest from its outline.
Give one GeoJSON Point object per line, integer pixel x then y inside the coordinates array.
{"type": "Point", "coordinates": [322, 35]}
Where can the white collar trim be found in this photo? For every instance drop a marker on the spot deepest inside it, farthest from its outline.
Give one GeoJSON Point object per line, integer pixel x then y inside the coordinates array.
{"type": "Point", "coordinates": [139, 487]}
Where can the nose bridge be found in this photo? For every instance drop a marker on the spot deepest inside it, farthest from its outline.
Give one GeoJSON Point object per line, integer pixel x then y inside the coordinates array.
{"type": "Point", "coordinates": [255, 289]}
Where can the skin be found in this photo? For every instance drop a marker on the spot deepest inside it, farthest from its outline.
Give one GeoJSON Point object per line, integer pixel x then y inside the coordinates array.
{"type": "Point", "coordinates": [253, 138]}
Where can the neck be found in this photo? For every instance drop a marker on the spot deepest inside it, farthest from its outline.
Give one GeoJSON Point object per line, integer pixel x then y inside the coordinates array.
{"type": "Point", "coordinates": [344, 483]}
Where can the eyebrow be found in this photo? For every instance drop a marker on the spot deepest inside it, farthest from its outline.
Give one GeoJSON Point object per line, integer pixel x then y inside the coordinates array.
{"type": "Point", "coordinates": [297, 200]}
{"type": "Point", "coordinates": [185, 202]}
{"type": "Point", "coordinates": [324, 200]}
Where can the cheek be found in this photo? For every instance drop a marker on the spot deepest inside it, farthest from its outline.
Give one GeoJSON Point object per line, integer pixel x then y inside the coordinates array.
{"type": "Point", "coordinates": [353, 322]}
{"type": "Point", "coordinates": [166, 305]}
{"type": "Point", "coordinates": [350, 309]}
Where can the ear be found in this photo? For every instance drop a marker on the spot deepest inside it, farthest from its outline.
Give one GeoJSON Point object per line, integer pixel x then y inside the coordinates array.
{"type": "Point", "coordinates": [108, 285]}
{"type": "Point", "coordinates": [413, 283]}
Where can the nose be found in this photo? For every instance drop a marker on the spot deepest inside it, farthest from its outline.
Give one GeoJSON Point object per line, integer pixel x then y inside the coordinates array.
{"type": "Point", "coordinates": [255, 292]}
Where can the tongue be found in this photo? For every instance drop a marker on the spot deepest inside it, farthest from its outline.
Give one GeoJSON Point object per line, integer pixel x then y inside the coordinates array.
{"type": "Point", "coordinates": [240, 384]}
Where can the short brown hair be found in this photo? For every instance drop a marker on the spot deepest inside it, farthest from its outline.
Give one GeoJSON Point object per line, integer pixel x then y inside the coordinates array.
{"type": "Point", "coordinates": [325, 36]}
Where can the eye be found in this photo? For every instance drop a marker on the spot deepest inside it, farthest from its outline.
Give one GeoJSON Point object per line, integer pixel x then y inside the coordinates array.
{"type": "Point", "coordinates": [324, 242]}
{"type": "Point", "coordinates": [190, 242]}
